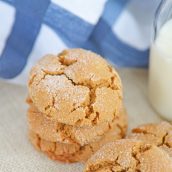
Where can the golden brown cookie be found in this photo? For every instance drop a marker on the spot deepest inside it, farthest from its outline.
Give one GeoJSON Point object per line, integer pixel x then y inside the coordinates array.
{"type": "Point", "coordinates": [159, 134]}
{"type": "Point", "coordinates": [73, 152]}
{"type": "Point", "coordinates": [129, 155]}
{"type": "Point", "coordinates": [76, 87]}
{"type": "Point", "coordinates": [57, 132]}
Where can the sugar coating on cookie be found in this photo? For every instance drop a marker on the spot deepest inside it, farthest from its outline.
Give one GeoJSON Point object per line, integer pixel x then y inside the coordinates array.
{"type": "Point", "coordinates": [57, 132]}
{"type": "Point", "coordinates": [129, 155]}
{"type": "Point", "coordinates": [54, 131]}
{"type": "Point", "coordinates": [159, 134]}
{"type": "Point", "coordinates": [73, 152]}
{"type": "Point", "coordinates": [76, 87]}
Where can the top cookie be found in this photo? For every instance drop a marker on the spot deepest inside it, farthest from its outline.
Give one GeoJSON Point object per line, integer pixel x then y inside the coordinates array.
{"type": "Point", "coordinates": [76, 87]}
{"type": "Point", "coordinates": [159, 134]}
{"type": "Point", "coordinates": [130, 156]}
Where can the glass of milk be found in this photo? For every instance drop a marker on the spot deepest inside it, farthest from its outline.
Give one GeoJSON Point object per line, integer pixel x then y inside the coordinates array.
{"type": "Point", "coordinates": [160, 68]}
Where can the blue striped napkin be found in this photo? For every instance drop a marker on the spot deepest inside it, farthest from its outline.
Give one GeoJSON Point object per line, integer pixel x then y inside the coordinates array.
{"type": "Point", "coordinates": [119, 30]}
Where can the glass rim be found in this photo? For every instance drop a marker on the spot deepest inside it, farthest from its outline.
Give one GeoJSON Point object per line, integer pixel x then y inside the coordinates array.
{"type": "Point", "coordinates": [162, 14]}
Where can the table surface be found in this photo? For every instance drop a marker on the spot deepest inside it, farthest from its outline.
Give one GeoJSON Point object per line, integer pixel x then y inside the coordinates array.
{"type": "Point", "coordinates": [16, 152]}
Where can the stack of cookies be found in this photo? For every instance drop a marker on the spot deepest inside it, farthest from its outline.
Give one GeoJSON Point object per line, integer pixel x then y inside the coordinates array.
{"type": "Point", "coordinates": [75, 105]}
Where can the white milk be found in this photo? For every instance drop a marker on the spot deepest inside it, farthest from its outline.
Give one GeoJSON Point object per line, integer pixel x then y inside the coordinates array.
{"type": "Point", "coordinates": [160, 72]}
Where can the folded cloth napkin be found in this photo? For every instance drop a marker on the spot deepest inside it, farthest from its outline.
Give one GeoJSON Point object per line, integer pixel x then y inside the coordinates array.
{"type": "Point", "coordinates": [119, 30]}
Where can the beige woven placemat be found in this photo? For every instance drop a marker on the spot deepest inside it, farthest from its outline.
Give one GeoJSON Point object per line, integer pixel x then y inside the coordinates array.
{"type": "Point", "coordinates": [18, 155]}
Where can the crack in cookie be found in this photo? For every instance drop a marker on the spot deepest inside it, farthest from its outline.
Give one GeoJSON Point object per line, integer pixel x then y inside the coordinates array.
{"type": "Point", "coordinates": [159, 134]}
{"type": "Point", "coordinates": [70, 152]}
{"type": "Point", "coordinates": [129, 155]}
{"type": "Point", "coordinates": [54, 131]}
{"type": "Point", "coordinates": [75, 79]}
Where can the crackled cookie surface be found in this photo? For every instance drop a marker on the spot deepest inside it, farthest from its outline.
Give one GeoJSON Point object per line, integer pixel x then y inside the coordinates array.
{"type": "Point", "coordinates": [159, 134]}
{"type": "Point", "coordinates": [73, 152]}
{"type": "Point", "coordinates": [129, 155]}
{"type": "Point", "coordinates": [76, 87]}
{"type": "Point", "coordinates": [53, 131]}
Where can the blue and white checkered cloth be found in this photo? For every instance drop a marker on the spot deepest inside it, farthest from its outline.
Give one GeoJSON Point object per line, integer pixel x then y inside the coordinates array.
{"type": "Point", "coordinates": [119, 30]}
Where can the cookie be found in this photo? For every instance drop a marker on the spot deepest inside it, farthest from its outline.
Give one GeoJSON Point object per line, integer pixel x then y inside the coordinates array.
{"type": "Point", "coordinates": [73, 152]}
{"type": "Point", "coordinates": [159, 134]}
{"type": "Point", "coordinates": [76, 87]}
{"type": "Point", "coordinates": [57, 132]}
{"type": "Point", "coordinates": [130, 156]}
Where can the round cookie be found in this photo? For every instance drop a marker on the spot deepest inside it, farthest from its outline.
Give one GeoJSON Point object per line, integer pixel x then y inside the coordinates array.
{"type": "Point", "coordinates": [56, 132]}
{"type": "Point", "coordinates": [129, 155]}
{"type": "Point", "coordinates": [72, 152]}
{"type": "Point", "coordinates": [77, 79]}
{"type": "Point", "coordinates": [159, 134]}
